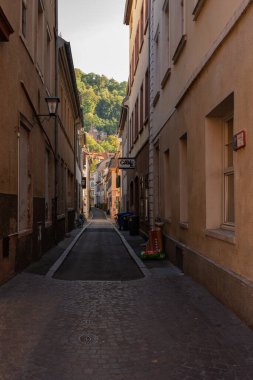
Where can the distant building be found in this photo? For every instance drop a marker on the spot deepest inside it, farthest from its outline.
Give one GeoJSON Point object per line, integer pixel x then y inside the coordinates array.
{"type": "Point", "coordinates": [113, 189]}
{"type": "Point", "coordinates": [123, 135]}
{"type": "Point", "coordinates": [100, 184]}
{"type": "Point", "coordinates": [93, 132]}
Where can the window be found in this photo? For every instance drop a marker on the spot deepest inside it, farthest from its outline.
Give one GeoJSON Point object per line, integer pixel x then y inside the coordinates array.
{"type": "Point", "coordinates": [132, 129]}
{"type": "Point", "coordinates": [48, 60]}
{"type": "Point", "coordinates": [167, 185]}
{"type": "Point", "coordinates": [146, 196]}
{"type": "Point", "coordinates": [157, 179]}
{"type": "Point", "coordinates": [136, 48]}
{"type": "Point", "coordinates": [48, 184]}
{"type": "Point", "coordinates": [131, 25]}
{"type": "Point", "coordinates": [141, 108]}
{"type": "Point", "coordinates": [220, 207]}
{"type": "Point", "coordinates": [136, 123]}
{"type": "Point", "coordinates": [183, 186]}
{"type": "Point", "coordinates": [157, 60]}
{"type": "Point", "coordinates": [62, 187]}
{"type": "Point", "coordinates": [40, 35]}
{"type": "Point", "coordinates": [131, 193]}
{"type": "Point", "coordinates": [146, 15]}
{"type": "Point", "coordinates": [132, 69]}
{"type": "Point", "coordinates": [197, 8]}
{"type": "Point", "coordinates": [178, 32]}
{"type": "Point", "coordinates": [25, 180]}
{"type": "Point", "coordinates": [142, 27]}
{"type": "Point", "coordinates": [146, 96]}
{"type": "Point", "coordinates": [182, 6]}
{"type": "Point", "coordinates": [5, 27]}
{"type": "Point", "coordinates": [165, 59]}
{"type": "Point", "coordinates": [228, 173]}
{"type": "Point", "coordinates": [130, 135]}
{"type": "Point", "coordinates": [24, 18]}
{"type": "Point", "coordinates": [70, 189]}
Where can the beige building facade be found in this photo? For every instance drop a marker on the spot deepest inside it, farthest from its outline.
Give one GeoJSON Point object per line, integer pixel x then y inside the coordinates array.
{"type": "Point", "coordinates": [136, 198]}
{"type": "Point", "coordinates": [201, 142]}
{"type": "Point", "coordinates": [35, 150]}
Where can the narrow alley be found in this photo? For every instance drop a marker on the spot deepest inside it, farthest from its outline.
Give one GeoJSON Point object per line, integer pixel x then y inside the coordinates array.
{"type": "Point", "coordinates": [117, 324]}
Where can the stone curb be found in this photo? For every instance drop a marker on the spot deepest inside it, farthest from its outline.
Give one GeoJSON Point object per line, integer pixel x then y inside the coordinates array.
{"type": "Point", "coordinates": [63, 256]}
{"type": "Point", "coordinates": [131, 252]}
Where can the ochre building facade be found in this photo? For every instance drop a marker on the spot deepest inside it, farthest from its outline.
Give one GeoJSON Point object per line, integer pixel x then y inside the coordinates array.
{"type": "Point", "coordinates": [33, 148]}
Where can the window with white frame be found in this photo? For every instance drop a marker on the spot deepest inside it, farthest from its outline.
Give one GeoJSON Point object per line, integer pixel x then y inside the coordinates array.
{"type": "Point", "coordinates": [167, 185]}
{"type": "Point", "coordinates": [219, 166]}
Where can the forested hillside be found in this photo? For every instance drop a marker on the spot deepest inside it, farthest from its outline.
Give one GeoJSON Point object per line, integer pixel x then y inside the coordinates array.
{"type": "Point", "coordinates": [101, 101]}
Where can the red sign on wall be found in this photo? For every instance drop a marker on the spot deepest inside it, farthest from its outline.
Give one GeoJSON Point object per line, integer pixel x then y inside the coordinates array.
{"type": "Point", "coordinates": [239, 140]}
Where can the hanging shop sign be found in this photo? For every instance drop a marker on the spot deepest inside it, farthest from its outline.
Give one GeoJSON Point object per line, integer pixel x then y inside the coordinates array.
{"type": "Point", "coordinates": [84, 182]}
{"type": "Point", "coordinates": [126, 163]}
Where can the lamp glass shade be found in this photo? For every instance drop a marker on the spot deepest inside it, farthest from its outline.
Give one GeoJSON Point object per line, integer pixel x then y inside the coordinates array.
{"type": "Point", "coordinates": [52, 103]}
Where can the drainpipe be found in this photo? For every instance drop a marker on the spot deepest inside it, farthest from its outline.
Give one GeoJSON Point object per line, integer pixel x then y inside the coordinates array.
{"type": "Point", "coordinates": [150, 216]}
{"type": "Point", "coordinates": [56, 123]}
{"type": "Point", "coordinates": [75, 163]}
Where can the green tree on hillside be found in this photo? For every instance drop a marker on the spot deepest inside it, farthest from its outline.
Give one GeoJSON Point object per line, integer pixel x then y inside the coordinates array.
{"type": "Point", "coordinates": [101, 101]}
{"type": "Point", "coordinates": [92, 145]}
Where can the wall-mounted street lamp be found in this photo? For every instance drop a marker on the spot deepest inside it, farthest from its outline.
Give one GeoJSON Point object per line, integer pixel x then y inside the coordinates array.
{"type": "Point", "coordinates": [52, 104]}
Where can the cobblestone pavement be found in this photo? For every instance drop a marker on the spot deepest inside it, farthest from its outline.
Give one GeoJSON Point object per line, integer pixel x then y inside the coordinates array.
{"type": "Point", "coordinates": [163, 326]}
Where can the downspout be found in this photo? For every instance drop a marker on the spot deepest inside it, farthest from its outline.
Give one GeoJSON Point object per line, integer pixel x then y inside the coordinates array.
{"type": "Point", "coordinates": [75, 163]}
{"type": "Point", "coordinates": [149, 108]}
{"type": "Point", "coordinates": [56, 123]}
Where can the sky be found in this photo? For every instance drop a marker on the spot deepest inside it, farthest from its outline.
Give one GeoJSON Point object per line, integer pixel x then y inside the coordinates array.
{"type": "Point", "coordinates": [98, 37]}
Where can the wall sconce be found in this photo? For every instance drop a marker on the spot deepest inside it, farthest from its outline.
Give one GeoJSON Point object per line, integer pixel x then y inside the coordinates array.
{"type": "Point", "coordinates": [52, 104]}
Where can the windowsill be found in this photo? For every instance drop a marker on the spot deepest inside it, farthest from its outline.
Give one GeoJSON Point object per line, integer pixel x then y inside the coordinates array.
{"type": "Point", "coordinates": [179, 49]}
{"type": "Point", "coordinates": [48, 223]}
{"type": "Point", "coordinates": [184, 225]}
{"type": "Point", "coordinates": [25, 232]}
{"type": "Point", "coordinates": [156, 98]}
{"type": "Point", "coordinates": [39, 71]}
{"type": "Point", "coordinates": [28, 49]}
{"type": "Point", "coordinates": [146, 27]}
{"type": "Point", "coordinates": [5, 27]}
{"type": "Point", "coordinates": [61, 216]}
{"type": "Point", "coordinates": [166, 78]}
{"type": "Point", "coordinates": [197, 9]}
{"type": "Point", "coordinates": [222, 234]}
{"type": "Point", "coordinates": [168, 220]}
{"type": "Point", "coordinates": [141, 45]}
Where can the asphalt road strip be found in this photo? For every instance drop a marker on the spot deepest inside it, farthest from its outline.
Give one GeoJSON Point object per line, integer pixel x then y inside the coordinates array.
{"type": "Point", "coordinates": [59, 262]}
{"type": "Point", "coordinates": [131, 252]}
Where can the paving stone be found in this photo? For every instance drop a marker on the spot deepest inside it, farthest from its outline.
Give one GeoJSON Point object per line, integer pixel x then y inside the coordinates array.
{"type": "Point", "coordinates": [159, 327]}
